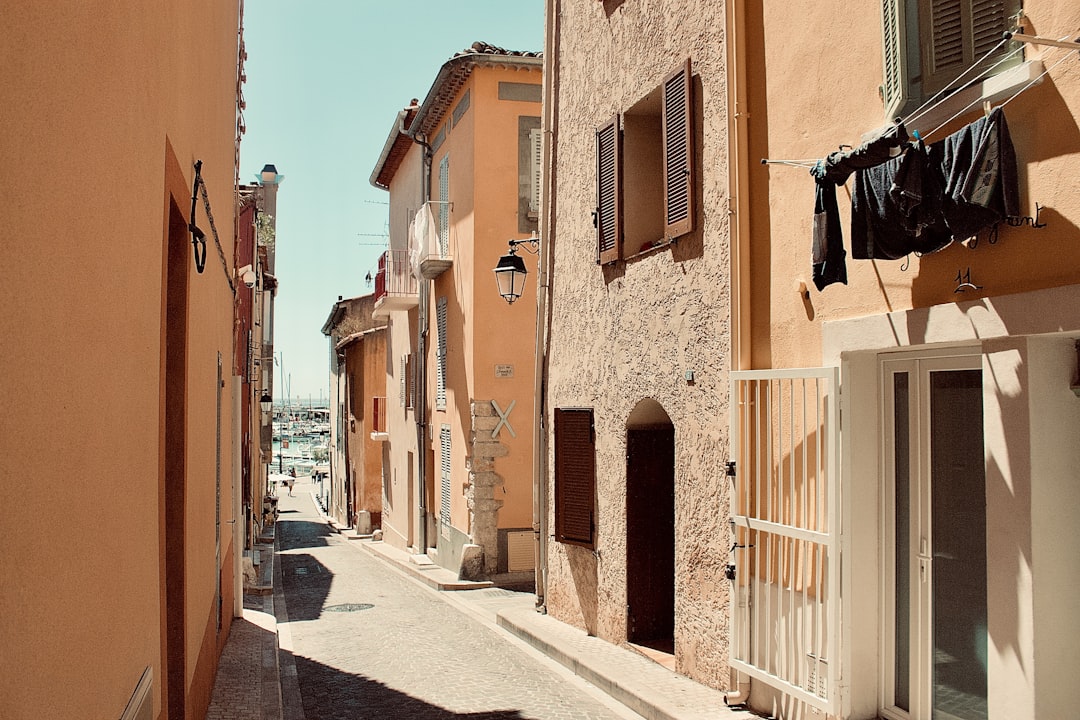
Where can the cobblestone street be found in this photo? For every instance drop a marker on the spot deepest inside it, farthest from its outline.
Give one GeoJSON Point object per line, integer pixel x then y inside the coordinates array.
{"type": "Point", "coordinates": [368, 642]}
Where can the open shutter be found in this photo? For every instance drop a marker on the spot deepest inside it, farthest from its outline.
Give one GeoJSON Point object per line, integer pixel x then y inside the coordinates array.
{"type": "Point", "coordinates": [894, 85]}
{"type": "Point", "coordinates": [786, 515]}
{"type": "Point", "coordinates": [575, 476]}
{"type": "Point", "coordinates": [678, 153]}
{"type": "Point", "coordinates": [440, 354]}
{"type": "Point", "coordinates": [608, 192]}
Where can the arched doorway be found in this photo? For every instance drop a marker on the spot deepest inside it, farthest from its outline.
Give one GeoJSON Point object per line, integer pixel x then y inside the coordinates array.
{"type": "Point", "coordinates": [650, 527]}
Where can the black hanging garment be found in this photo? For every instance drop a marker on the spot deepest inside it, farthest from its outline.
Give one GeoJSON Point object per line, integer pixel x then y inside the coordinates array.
{"type": "Point", "coordinates": [828, 241]}
{"type": "Point", "coordinates": [930, 197]}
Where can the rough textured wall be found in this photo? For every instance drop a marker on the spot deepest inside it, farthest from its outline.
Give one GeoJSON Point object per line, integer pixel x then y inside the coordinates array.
{"type": "Point", "coordinates": [630, 331]}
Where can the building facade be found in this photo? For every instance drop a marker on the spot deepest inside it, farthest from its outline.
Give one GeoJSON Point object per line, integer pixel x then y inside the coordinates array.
{"type": "Point", "coordinates": [463, 178]}
{"type": "Point", "coordinates": [357, 413]}
{"type": "Point", "coordinates": [860, 407]}
{"type": "Point", "coordinates": [121, 135]}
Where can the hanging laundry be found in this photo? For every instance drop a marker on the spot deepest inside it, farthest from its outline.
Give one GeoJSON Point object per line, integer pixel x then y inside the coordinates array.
{"type": "Point", "coordinates": [929, 197]}
{"type": "Point", "coordinates": [978, 167]}
{"type": "Point", "coordinates": [828, 244]}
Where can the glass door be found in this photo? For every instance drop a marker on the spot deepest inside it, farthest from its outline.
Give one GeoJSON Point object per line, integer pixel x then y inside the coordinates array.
{"type": "Point", "coordinates": [935, 540]}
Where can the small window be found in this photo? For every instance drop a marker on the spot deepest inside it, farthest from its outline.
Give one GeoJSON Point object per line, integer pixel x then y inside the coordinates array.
{"type": "Point", "coordinates": [645, 171]}
{"type": "Point", "coordinates": [575, 477]}
{"type": "Point", "coordinates": [929, 44]}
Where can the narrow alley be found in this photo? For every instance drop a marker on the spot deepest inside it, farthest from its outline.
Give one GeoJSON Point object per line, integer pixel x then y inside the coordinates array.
{"type": "Point", "coordinates": [366, 641]}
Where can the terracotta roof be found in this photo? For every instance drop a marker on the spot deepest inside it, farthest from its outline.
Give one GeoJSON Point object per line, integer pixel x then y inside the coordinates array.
{"type": "Point", "coordinates": [394, 150]}
{"type": "Point", "coordinates": [456, 71]}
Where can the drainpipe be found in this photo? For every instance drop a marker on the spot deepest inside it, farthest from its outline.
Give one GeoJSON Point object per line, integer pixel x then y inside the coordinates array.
{"type": "Point", "coordinates": [238, 497]}
{"type": "Point", "coordinates": [550, 123]}
{"type": "Point", "coordinates": [738, 232]}
{"type": "Point", "coordinates": [421, 363]}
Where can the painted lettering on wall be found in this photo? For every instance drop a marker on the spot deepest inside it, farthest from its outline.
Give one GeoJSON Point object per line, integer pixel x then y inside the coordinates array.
{"type": "Point", "coordinates": [991, 235]}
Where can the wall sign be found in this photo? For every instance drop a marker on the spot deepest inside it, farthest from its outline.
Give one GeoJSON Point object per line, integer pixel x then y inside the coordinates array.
{"type": "Point", "coordinates": [504, 371]}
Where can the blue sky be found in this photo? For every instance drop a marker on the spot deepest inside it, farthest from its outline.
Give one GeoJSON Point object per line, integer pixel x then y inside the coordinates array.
{"type": "Point", "coordinates": [325, 80]}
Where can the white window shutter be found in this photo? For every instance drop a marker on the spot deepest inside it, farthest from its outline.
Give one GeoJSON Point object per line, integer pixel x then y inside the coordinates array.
{"type": "Point", "coordinates": [440, 355]}
{"type": "Point", "coordinates": [535, 169]}
{"type": "Point", "coordinates": [894, 86]}
{"type": "Point", "coordinates": [444, 205]}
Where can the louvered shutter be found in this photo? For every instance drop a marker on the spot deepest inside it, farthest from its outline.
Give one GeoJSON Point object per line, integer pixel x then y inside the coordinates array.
{"type": "Point", "coordinates": [678, 127]}
{"type": "Point", "coordinates": [536, 165]}
{"type": "Point", "coordinates": [894, 87]}
{"type": "Point", "coordinates": [444, 206]}
{"type": "Point", "coordinates": [402, 390]}
{"type": "Point", "coordinates": [608, 192]}
{"type": "Point", "coordinates": [444, 457]}
{"type": "Point", "coordinates": [575, 476]}
{"type": "Point", "coordinates": [440, 355]}
{"type": "Point", "coordinates": [957, 33]}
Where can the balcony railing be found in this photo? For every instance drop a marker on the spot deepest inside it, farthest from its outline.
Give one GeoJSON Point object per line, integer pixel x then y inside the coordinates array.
{"type": "Point", "coordinates": [379, 408]}
{"type": "Point", "coordinates": [396, 286]}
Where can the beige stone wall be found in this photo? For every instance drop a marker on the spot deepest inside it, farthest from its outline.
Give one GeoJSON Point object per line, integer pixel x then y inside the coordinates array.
{"type": "Point", "coordinates": [632, 330]}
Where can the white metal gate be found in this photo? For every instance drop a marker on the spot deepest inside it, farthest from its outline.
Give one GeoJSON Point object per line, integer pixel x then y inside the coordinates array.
{"type": "Point", "coordinates": [785, 517]}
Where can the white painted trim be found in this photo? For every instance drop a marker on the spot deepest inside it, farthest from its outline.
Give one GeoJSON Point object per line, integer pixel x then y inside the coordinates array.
{"type": "Point", "coordinates": [1032, 313]}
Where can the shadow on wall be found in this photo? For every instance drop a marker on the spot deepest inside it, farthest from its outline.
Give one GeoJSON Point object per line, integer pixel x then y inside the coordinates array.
{"type": "Point", "coordinates": [583, 567]}
{"type": "Point", "coordinates": [1036, 250]}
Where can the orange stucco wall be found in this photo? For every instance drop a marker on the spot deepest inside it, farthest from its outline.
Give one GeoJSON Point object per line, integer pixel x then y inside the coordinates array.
{"type": "Point", "coordinates": [807, 97]}
{"type": "Point", "coordinates": [97, 102]}
{"type": "Point", "coordinates": [483, 331]}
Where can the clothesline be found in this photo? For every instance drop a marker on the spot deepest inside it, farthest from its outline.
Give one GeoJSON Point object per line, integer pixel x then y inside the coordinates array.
{"type": "Point", "coordinates": [942, 95]}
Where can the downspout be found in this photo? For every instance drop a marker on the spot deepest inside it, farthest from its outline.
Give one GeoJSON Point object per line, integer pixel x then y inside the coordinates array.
{"type": "Point", "coordinates": [421, 363]}
{"type": "Point", "coordinates": [549, 132]}
{"type": "Point", "coordinates": [238, 497]}
{"type": "Point", "coordinates": [738, 233]}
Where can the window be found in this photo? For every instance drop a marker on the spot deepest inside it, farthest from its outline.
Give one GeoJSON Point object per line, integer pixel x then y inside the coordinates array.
{"type": "Point", "coordinates": [645, 171]}
{"type": "Point", "coordinates": [930, 43]}
{"type": "Point", "coordinates": [575, 477]}
{"type": "Point", "coordinates": [440, 355]}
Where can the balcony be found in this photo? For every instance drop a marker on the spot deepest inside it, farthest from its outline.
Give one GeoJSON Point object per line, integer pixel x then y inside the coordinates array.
{"type": "Point", "coordinates": [430, 233]}
{"type": "Point", "coordinates": [396, 287]}
{"type": "Point", "coordinates": [379, 432]}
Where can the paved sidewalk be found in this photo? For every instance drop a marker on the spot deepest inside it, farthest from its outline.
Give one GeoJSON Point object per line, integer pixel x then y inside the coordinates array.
{"type": "Point", "coordinates": [251, 675]}
{"type": "Point", "coordinates": [247, 685]}
{"type": "Point", "coordinates": [644, 686]}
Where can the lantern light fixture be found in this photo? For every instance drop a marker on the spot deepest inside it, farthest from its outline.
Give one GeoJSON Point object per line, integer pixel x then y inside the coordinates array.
{"type": "Point", "coordinates": [510, 273]}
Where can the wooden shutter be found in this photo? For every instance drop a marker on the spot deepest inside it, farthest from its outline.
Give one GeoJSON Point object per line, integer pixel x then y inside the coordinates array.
{"type": "Point", "coordinates": [575, 476]}
{"type": "Point", "coordinates": [536, 165]}
{"type": "Point", "coordinates": [894, 86]}
{"type": "Point", "coordinates": [440, 355]}
{"type": "Point", "coordinates": [444, 206]}
{"type": "Point", "coordinates": [678, 124]}
{"type": "Point", "coordinates": [958, 33]}
{"type": "Point", "coordinates": [609, 192]}
{"type": "Point", "coordinates": [444, 458]}
{"type": "Point", "coordinates": [402, 389]}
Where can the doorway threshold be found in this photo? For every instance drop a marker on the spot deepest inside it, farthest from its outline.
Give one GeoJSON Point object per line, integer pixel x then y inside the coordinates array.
{"type": "Point", "coordinates": [660, 652]}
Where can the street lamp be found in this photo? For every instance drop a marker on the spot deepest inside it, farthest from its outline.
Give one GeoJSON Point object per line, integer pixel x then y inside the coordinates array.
{"type": "Point", "coordinates": [266, 402]}
{"type": "Point", "coordinates": [510, 273]}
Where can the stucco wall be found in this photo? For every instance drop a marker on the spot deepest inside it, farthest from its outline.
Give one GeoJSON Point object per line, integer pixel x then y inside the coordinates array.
{"type": "Point", "coordinates": [105, 109]}
{"type": "Point", "coordinates": [632, 330]}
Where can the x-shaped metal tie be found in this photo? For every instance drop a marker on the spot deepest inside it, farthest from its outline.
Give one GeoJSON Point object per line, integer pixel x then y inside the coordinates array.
{"type": "Point", "coordinates": [504, 419]}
